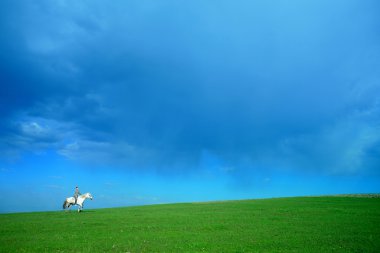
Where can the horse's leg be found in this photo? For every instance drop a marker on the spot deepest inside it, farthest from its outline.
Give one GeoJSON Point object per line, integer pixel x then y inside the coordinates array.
{"type": "Point", "coordinates": [80, 204]}
{"type": "Point", "coordinates": [67, 207]}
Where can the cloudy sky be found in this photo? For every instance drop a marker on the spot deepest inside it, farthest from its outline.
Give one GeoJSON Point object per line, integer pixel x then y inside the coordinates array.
{"type": "Point", "coordinates": [146, 101]}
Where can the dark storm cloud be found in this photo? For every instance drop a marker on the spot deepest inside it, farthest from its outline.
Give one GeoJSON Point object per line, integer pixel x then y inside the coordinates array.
{"type": "Point", "coordinates": [149, 83]}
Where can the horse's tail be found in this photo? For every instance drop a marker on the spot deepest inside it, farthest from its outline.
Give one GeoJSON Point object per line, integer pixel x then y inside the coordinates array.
{"type": "Point", "coordinates": [64, 204]}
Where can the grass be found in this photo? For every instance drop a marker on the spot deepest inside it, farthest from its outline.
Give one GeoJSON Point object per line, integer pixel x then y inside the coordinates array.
{"type": "Point", "coordinates": [305, 224]}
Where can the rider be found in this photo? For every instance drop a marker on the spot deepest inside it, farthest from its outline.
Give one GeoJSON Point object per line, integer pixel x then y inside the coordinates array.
{"type": "Point", "coordinates": [76, 194]}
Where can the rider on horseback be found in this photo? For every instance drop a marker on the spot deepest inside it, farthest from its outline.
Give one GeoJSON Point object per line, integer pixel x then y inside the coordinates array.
{"type": "Point", "coordinates": [76, 194]}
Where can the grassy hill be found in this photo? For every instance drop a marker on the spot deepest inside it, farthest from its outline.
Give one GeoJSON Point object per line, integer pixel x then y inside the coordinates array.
{"type": "Point", "coordinates": [305, 224]}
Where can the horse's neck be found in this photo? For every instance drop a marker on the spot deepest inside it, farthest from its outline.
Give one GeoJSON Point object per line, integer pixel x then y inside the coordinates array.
{"type": "Point", "coordinates": [84, 196]}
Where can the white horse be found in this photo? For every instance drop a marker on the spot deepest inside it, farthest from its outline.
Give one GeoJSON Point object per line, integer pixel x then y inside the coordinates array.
{"type": "Point", "coordinates": [70, 201]}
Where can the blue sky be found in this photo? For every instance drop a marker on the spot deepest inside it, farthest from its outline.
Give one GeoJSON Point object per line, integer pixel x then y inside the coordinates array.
{"type": "Point", "coordinates": [143, 102]}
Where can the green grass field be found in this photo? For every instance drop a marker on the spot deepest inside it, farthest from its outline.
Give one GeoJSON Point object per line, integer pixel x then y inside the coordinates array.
{"type": "Point", "coordinates": [305, 224]}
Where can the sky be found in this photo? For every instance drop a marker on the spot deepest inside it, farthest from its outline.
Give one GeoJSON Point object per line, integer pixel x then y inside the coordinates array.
{"type": "Point", "coordinates": [149, 102]}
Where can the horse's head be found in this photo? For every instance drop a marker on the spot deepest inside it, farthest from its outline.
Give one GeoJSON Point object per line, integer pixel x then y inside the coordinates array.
{"type": "Point", "coordinates": [88, 196]}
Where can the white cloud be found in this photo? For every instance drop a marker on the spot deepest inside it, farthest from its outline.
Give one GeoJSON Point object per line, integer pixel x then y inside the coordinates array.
{"type": "Point", "coordinates": [54, 186]}
{"type": "Point", "coordinates": [341, 147]}
{"type": "Point", "coordinates": [33, 129]}
{"type": "Point", "coordinates": [5, 170]}
{"type": "Point", "coordinates": [98, 152]}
